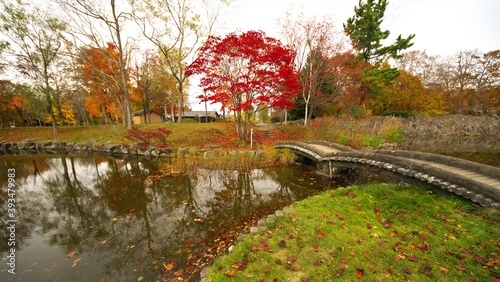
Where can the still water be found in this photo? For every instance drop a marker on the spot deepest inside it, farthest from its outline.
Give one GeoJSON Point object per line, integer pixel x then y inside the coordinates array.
{"type": "Point", "coordinates": [92, 218]}
{"type": "Point", "coordinates": [108, 219]}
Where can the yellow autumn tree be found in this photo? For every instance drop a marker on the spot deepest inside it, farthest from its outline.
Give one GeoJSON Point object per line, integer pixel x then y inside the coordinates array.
{"type": "Point", "coordinates": [409, 94]}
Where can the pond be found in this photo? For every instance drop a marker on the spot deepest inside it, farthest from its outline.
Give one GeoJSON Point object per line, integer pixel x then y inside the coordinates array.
{"type": "Point", "coordinates": [108, 219]}
{"type": "Point", "coordinates": [99, 218]}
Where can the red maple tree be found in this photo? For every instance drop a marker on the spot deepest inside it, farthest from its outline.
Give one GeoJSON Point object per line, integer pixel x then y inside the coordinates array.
{"type": "Point", "coordinates": [246, 72]}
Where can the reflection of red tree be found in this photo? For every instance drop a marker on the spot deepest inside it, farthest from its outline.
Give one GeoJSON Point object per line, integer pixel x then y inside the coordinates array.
{"type": "Point", "coordinates": [37, 166]}
{"type": "Point", "coordinates": [233, 211]}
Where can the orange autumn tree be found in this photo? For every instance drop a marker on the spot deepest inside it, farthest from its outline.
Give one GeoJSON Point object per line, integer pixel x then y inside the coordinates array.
{"type": "Point", "coordinates": [408, 93]}
{"type": "Point", "coordinates": [101, 76]}
{"type": "Point", "coordinates": [11, 104]}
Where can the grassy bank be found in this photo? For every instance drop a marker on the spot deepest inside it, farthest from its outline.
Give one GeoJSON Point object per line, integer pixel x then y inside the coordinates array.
{"type": "Point", "coordinates": [375, 232]}
{"type": "Point", "coordinates": [354, 133]}
{"type": "Point", "coordinates": [184, 134]}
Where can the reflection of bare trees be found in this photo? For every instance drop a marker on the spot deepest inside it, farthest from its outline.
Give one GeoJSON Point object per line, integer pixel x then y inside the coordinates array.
{"type": "Point", "coordinates": [113, 211]}
{"type": "Point", "coordinates": [25, 216]}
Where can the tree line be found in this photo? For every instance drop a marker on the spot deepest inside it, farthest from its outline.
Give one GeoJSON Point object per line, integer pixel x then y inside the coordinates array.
{"type": "Point", "coordinates": [84, 61]}
{"type": "Point", "coordinates": [90, 62]}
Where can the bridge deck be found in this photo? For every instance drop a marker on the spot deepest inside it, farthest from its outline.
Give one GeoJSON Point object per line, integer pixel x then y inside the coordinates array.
{"type": "Point", "coordinates": [495, 183]}
{"type": "Point", "coordinates": [478, 182]}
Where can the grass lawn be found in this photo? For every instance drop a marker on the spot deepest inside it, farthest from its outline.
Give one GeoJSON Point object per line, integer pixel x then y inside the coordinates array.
{"type": "Point", "coordinates": [197, 135]}
{"type": "Point", "coordinates": [375, 232]}
{"type": "Point", "coordinates": [188, 134]}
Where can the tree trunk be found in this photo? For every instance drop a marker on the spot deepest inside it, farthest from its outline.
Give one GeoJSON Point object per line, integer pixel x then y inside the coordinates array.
{"type": "Point", "coordinates": [181, 103]}
{"type": "Point", "coordinates": [127, 105]}
{"type": "Point", "coordinates": [239, 125]}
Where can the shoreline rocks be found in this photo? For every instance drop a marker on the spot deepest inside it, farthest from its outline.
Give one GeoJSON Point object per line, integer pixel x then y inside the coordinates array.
{"type": "Point", "coordinates": [55, 147]}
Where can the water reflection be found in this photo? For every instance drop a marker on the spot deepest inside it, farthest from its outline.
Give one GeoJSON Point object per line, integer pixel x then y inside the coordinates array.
{"type": "Point", "coordinates": [482, 149]}
{"type": "Point", "coordinates": [99, 218]}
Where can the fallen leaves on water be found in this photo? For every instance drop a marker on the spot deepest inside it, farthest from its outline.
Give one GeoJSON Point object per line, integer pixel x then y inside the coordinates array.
{"type": "Point", "coordinates": [70, 254]}
{"type": "Point", "coordinates": [75, 262]}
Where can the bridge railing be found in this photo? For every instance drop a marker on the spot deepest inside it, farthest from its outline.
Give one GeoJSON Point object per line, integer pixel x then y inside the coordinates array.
{"type": "Point", "coordinates": [410, 164]}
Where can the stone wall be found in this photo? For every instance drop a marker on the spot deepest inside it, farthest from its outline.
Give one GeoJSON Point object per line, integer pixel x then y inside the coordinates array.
{"type": "Point", "coordinates": [59, 147]}
{"type": "Point", "coordinates": [456, 125]}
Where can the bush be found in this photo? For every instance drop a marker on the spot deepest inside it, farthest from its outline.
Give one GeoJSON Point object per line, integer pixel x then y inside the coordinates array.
{"type": "Point", "coordinates": [143, 137]}
{"type": "Point", "coordinates": [275, 119]}
{"type": "Point", "coordinates": [403, 114]}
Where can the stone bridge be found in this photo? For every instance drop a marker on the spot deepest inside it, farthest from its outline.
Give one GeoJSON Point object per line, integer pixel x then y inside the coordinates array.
{"type": "Point", "coordinates": [477, 182]}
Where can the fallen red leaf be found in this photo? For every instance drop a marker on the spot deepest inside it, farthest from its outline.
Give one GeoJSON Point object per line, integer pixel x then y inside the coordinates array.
{"type": "Point", "coordinates": [460, 266]}
{"type": "Point", "coordinates": [169, 266]}
{"type": "Point", "coordinates": [315, 246]}
{"type": "Point", "coordinates": [230, 273]}
{"type": "Point", "coordinates": [360, 272]}
{"type": "Point", "coordinates": [410, 258]}
{"type": "Point", "coordinates": [387, 224]}
{"type": "Point", "coordinates": [178, 272]}
{"type": "Point", "coordinates": [444, 269]}
{"type": "Point", "coordinates": [321, 234]}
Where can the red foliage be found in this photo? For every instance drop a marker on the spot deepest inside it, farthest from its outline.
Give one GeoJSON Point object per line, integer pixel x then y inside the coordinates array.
{"type": "Point", "coordinates": [143, 137]}
{"type": "Point", "coordinates": [244, 71]}
{"type": "Point", "coordinates": [349, 70]}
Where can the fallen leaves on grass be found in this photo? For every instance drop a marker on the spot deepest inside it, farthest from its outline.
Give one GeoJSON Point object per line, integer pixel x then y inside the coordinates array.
{"type": "Point", "coordinates": [360, 272]}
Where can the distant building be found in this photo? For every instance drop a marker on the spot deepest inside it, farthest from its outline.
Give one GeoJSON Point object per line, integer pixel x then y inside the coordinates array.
{"type": "Point", "coordinates": [140, 118]}
{"type": "Point", "coordinates": [200, 116]}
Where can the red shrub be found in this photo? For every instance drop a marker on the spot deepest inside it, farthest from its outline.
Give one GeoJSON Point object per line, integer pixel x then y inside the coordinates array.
{"type": "Point", "coordinates": [143, 137]}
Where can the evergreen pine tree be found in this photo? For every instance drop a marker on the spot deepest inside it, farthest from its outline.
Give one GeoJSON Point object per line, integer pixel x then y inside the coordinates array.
{"type": "Point", "coordinates": [364, 29]}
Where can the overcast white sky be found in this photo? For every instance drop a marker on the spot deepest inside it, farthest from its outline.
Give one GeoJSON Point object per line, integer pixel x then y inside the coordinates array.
{"type": "Point", "coordinates": [442, 27]}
